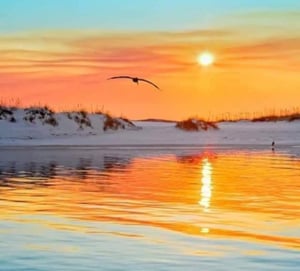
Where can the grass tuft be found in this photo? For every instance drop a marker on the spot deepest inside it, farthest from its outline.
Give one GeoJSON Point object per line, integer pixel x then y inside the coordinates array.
{"type": "Point", "coordinates": [193, 124]}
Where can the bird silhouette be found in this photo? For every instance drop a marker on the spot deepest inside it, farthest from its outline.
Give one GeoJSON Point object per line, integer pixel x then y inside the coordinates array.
{"type": "Point", "coordinates": [134, 79]}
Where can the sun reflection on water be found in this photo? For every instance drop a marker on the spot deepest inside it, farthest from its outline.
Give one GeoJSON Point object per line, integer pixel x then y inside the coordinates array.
{"type": "Point", "coordinates": [137, 198]}
{"type": "Point", "coordinates": [206, 188]}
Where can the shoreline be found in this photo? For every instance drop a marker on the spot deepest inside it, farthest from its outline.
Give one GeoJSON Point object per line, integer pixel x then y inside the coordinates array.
{"type": "Point", "coordinates": [157, 135]}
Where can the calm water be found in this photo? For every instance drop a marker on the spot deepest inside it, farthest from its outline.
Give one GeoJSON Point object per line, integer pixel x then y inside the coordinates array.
{"type": "Point", "coordinates": [87, 209]}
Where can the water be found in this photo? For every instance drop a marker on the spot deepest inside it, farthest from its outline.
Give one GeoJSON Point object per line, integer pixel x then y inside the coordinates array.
{"type": "Point", "coordinates": [149, 209]}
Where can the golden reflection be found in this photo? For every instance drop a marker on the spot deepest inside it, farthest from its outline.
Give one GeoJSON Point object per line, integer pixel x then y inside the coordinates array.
{"type": "Point", "coordinates": [206, 188]}
{"type": "Point", "coordinates": [162, 193]}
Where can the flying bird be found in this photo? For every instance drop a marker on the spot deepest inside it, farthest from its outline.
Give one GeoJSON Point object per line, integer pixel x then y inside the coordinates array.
{"type": "Point", "coordinates": [134, 79]}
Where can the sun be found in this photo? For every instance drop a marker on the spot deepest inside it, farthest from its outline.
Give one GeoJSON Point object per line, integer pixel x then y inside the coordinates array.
{"type": "Point", "coordinates": [205, 59]}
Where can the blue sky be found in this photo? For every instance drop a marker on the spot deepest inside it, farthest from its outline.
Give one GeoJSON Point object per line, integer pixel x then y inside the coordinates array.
{"type": "Point", "coordinates": [27, 15]}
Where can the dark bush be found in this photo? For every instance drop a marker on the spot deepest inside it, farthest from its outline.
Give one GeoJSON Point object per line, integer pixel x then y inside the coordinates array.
{"type": "Point", "coordinates": [111, 123]}
{"type": "Point", "coordinates": [51, 121]}
{"type": "Point", "coordinates": [196, 125]}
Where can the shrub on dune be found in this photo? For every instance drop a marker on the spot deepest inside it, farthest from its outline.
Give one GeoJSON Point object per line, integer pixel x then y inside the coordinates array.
{"type": "Point", "coordinates": [42, 114]}
{"type": "Point", "coordinates": [193, 124]}
{"type": "Point", "coordinates": [274, 118]}
{"type": "Point", "coordinates": [294, 117]}
{"type": "Point", "coordinates": [112, 124]}
{"type": "Point", "coordinates": [5, 112]}
{"type": "Point", "coordinates": [51, 121]}
{"type": "Point", "coordinates": [81, 118]}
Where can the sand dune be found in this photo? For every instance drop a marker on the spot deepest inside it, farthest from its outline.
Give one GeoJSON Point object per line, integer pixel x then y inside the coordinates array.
{"type": "Point", "coordinates": [36, 127]}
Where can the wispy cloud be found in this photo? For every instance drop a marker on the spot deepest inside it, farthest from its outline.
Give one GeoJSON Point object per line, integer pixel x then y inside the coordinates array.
{"type": "Point", "coordinates": [38, 63]}
{"type": "Point", "coordinates": [75, 53]}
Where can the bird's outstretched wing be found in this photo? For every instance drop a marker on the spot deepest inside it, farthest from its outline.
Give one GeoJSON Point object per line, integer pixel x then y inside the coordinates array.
{"type": "Point", "coordinates": [122, 76]}
{"type": "Point", "coordinates": [149, 82]}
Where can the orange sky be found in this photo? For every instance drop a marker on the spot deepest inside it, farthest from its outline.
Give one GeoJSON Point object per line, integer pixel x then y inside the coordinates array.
{"type": "Point", "coordinates": [257, 68]}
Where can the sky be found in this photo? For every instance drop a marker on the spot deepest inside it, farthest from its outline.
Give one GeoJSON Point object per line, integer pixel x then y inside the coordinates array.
{"type": "Point", "coordinates": [61, 52]}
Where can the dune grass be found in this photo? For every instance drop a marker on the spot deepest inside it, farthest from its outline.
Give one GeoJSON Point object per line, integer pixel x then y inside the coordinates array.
{"type": "Point", "coordinates": [289, 118]}
{"type": "Point", "coordinates": [196, 124]}
{"type": "Point", "coordinates": [271, 115]}
{"type": "Point", "coordinates": [45, 115]}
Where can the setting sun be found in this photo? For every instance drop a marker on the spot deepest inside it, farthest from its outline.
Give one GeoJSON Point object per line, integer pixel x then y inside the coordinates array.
{"type": "Point", "coordinates": [205, 59]}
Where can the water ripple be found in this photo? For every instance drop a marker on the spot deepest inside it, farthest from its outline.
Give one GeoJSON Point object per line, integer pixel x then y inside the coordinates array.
{"type": "Point", "coordinates": [179, 209]}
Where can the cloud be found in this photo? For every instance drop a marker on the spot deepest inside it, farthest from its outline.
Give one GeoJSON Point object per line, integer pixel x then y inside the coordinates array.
{"type": "Point", "coordinates": [271, 54]}
{"type": "Point", "coordinates": [88, 54]}
{"type": "Point", "coordinates": [64, 54]}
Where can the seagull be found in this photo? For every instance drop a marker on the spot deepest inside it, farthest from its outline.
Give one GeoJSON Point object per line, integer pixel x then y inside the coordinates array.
{"type": "Point", "coordinates": [134, 79]}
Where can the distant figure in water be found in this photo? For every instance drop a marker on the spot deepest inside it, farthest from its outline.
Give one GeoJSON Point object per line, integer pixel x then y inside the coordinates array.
{"type": "Point", "coordinates": [273, 145]}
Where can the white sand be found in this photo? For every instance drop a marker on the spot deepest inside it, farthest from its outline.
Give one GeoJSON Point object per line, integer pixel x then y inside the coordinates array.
{"type": "Point", "coordinates": [67, 133]}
